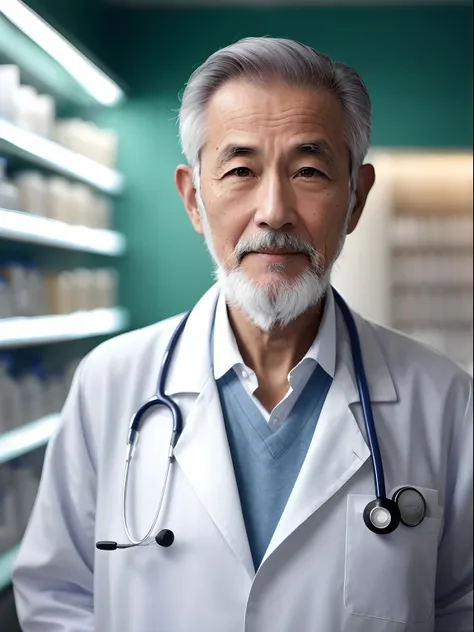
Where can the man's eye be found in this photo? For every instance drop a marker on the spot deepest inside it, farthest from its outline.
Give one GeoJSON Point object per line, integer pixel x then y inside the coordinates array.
{"type": "Point", "coordinates": [240, 172]}
{"type": "Point", "coordinates": [310, 172]}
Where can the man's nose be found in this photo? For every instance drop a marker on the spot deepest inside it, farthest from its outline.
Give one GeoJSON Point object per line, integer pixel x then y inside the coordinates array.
{"type": "Point", "coordinates": [275, 207]}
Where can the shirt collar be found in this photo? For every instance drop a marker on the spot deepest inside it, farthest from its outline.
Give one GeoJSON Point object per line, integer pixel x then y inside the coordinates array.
{"type": "Point", "coordinates": [322, 350]}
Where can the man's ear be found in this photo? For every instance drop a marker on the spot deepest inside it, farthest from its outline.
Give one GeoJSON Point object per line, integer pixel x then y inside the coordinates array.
{"type": "Point", "coordinates": [365, 182]}
{"type": "Point", "coordinates": [183, 179]}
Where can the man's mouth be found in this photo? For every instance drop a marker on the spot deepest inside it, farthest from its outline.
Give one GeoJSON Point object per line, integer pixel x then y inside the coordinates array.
{"type": "Point", "coordinates": [274, 254]}
{"type": "Point", "coordinates": [274, 251]}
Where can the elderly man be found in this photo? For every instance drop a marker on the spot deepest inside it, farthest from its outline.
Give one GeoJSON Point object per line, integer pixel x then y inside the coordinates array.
{"type": "Point", "coordinates": [260, 513]}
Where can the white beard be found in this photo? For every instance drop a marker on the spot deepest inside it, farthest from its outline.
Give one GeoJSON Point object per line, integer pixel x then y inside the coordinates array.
{"type": "Point", "coordinates": [272, 304]}
{"type": "Point", "coordinates": [278, 302]}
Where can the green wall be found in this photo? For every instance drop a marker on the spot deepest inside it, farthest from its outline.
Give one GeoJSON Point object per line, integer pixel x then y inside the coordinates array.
{"type": "Point", "coordinates": [416, 61]}
{"type": "Point", "coordinates": [79, 20]}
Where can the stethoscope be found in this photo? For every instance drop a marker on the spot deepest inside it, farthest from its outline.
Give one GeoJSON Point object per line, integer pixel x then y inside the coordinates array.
{"type": "Point", "coordinates": [381, 515]}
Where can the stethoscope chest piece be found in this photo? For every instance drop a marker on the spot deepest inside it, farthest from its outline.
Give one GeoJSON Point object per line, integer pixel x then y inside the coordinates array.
{"type": "Point", "coordinates": [382, 516]}
{"type": "Point", "coordinates": [412, 506]}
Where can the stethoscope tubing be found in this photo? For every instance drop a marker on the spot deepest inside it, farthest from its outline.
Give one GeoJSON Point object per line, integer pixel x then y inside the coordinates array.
{"type": "Point", "coordinates": [364, 395]}
{"type": "Point", "coordinates": [159, 399]}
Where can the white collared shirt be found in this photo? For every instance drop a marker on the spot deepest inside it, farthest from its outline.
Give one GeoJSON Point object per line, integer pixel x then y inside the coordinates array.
{"type": "Point", "coordinates": [322, 351]}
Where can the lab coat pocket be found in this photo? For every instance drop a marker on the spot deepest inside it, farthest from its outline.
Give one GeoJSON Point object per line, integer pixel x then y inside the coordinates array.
{"type": "Point", "coordinates": [391, 576]}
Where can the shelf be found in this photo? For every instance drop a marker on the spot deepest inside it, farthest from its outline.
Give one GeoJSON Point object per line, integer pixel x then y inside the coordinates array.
{"type": "Point", "coordinates": [50, 62]}
{"type": "Point", "coordinates": [431, 287]}
{"type": "Point", "coordinates": [27, 438]}
{"type": "Point", "coordinates": [45, 153]}
{"type": "Point", "coordinates": [415, 248]}
{"type": "Point", "coordinates": [427, 323]}
{"type": "Point", "coordinates": [7, 562]}
{"type": "Point", "coordinates": [24, 331]}
{"type": "Point", "coordinates": [25, 227]}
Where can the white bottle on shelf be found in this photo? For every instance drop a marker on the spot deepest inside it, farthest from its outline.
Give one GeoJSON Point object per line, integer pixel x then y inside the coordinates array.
{"type": "Point", "coordinates": [105, 147]}
{"type": "Point", "coordinates": [54, 394]}
{"type": "Point", "coordinates": [86, 141]}
{"type": "Point", "coordinates": [5, 298]}
{"type": "Point", "coordinates": [8, 510]}
{"type": "Point", "coordinates": [65, 293]}
{"type": "Point", "coordinates": [57, 196]}
{"type": "Point", "coordinates": [72, 134]}
{"type": "Point", "coordinates": [45, 114]}
{"type": "Point", "coordinates": [25, 110]}
{"type": "Point", "coordinates": [9, 86]}
{"type": "Point", "coordinates": [32, 385]}
{"type": "Point", "coordinates": [32, 192]}
{"type": "Point", "coordinates": [106, 280]}
{"type": "Point", "coordinates": [81, 205]}
{"type": "Point", "coordinates": [84, 283]}
{"type": "Point", "coordinates": [11, 403]}
{"type": "Point", "coordinates": [16, 275]}
{"type": "Point", "coordinates": [9, 195]}
{"type": "Point", "coordinates": [36, 290]}
{"type": "Point", "coordinates": [25, 485]}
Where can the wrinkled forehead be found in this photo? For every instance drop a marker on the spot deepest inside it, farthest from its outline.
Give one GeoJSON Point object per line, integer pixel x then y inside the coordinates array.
{"type": "Point", "coordinates": [265, 114]}
{"type": "Point", "coordinates": [272, 118]}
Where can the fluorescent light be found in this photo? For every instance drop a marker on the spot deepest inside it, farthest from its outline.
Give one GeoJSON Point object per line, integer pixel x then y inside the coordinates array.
{"type": "Point", "coordinates": [27, 438]}
{"type": "Point", "coordinates": [50, 232]}
{"type": "Point", "coordinates": [23, 331]}
{"type": "Point", "coordinates": [93, 80]}
{"type": "Point", "coordinates": [47, 153]}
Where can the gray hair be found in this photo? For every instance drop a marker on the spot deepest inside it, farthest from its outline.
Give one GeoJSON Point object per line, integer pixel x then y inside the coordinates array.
{"type": "Point", "coordinates": [263, 59]}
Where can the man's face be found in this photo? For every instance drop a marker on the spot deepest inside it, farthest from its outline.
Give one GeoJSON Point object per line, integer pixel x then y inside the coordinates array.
{"type": "Point", "coordinates": [275, 160]}
{"type": "Point", "coordinates": [259, 170]}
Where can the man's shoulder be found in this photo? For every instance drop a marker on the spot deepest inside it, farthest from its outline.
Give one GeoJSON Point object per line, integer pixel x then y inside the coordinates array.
{"type": "Point", "coordinates": [142, 345]}
{"type": "Point", "coordinates": [408, 357]}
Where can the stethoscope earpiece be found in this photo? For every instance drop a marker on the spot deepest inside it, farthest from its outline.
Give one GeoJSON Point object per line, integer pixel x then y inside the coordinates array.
{"type": "Point", "coordinates": [165, 538]}
{"type": "Point", "coordinates": [382, 516]}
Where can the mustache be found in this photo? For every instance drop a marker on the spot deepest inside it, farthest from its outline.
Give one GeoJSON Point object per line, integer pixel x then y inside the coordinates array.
{"type": "Point", "coordinates": [276, 240]}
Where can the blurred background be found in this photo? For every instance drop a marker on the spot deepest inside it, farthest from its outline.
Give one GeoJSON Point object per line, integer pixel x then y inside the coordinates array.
{"type": "Point", "coordinates": [93, 237]}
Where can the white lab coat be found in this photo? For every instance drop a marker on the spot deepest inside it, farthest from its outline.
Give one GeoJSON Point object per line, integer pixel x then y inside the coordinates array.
{"type": "Point", "coordinates": [324, 570]}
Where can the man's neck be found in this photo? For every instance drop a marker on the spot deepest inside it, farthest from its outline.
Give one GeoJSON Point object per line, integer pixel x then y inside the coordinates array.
{"type": "Point", "coordinates": [272, 355]}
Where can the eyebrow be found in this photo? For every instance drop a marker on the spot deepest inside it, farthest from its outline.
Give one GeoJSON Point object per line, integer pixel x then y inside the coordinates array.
{"type": "Point", "coordinates": [318, 148]}
{"type": "Point", "coordinates": [234, 151]}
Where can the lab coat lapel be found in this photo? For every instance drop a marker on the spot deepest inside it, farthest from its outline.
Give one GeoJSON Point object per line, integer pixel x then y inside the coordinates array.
{"type": "Point", "coordinates": [204, 456]}
{"type": "Point", "coordinates": [202, 451]}
{"type": "Point", "coordinates": [338, 448]}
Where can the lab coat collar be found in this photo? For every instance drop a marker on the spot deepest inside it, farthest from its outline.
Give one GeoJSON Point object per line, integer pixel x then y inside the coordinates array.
{"type": "Point", "coordinates": [322, 349]}
{"type": "Point", "coordinates": [379, 377]}
{"type": "Point", "coordinates": [191, 366]}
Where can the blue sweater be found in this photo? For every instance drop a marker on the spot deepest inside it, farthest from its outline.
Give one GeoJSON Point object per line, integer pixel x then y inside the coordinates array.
{"type": "Point", "coordinates": [266, 462]}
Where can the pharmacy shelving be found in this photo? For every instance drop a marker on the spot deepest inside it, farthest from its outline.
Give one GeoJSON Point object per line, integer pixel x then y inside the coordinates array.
{"type": "Point", "coordinates": [35, 330]}
{"type": "Point", "coordinates": [54, 67]}
{"type": "Point", "coordinates": [13, 444]}
{"type": "Point", "coordinates": [409, 264]}
{"type": "Point", "coordinates": [431, 251]}
{"type": "Point", "coordinates": [7, 561]}
{"type": "Point", "coordinates": [25, 227]}
{"type": "Point", "coordinates": [35, 149]}
{"type": "Point", "coordinates": [27, 438]}
{"type": "Point", "coordinates": [50, 62]}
